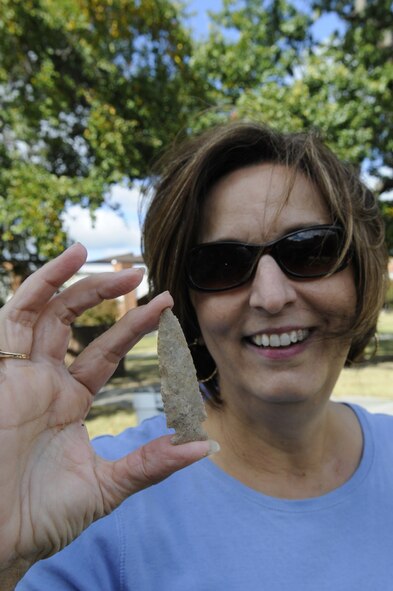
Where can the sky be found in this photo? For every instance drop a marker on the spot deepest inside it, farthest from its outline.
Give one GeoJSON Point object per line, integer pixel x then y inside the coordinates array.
{"type": "Point", "coordinates": [112, 234]}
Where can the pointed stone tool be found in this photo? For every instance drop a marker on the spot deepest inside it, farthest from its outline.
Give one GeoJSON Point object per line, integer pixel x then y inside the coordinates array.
{"type": "Point", "coordinates": [183, 402]}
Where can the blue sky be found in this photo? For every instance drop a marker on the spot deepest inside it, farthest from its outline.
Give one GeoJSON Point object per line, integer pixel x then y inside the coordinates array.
{"type": "Point", "coordinates": [200, 22]}
{"type": "Point", "coordinates": [114, 235]}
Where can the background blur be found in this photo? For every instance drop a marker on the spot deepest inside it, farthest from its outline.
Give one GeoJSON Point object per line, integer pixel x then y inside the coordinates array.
{"type": "Point", "coordinates": [93, 91]}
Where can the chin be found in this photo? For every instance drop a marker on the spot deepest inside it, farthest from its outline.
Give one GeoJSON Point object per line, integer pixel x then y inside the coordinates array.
{"type": "Point", "coordinates": [283, 395]}
{"type": "Point", "coordinates": [286, 398]}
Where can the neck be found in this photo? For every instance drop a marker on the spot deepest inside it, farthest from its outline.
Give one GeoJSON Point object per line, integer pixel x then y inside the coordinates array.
{"type": "Point", "coordinates": [288, 450]}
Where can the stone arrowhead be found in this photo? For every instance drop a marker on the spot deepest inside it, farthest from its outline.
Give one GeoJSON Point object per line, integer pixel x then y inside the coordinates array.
{"type": "Point", "coordinates": [183, 403]}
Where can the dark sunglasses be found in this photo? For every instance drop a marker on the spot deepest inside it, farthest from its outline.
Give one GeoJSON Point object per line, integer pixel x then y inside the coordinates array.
{"type": "Point", "coordinates": [305, 254]}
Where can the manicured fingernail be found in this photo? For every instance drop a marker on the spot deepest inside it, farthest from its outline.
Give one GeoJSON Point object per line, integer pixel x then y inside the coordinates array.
{"type": "Point", "coordinates": [164, 295]}
{"type": "Point", "coordinates": [75, 245]}
{"type": "Point", "coordinates": [214, 447]}
{"type": "Point", "coordinates": [132, 271]}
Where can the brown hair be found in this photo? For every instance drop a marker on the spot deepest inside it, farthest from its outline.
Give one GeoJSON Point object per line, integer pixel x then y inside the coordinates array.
{"type": "Point", "coordinates": [189, 171]}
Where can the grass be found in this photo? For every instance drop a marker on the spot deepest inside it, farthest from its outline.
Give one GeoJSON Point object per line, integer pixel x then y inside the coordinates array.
{"type": "Point", "coordinates": [372, 379]}
{"type": "Point", "coordinates": [111, 423]}
{"type": "Point", "coordinates": [147, 345]}
{"type": "Point", "coordinates": [141, 367]}
{"type": "Point", "coordinates": [366, 380]}
{"type": "Point", "coordinates": [385, 324]}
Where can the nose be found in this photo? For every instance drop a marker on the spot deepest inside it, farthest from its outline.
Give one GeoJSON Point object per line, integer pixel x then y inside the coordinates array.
{"type": "Point", "coordinates": [271, 289]}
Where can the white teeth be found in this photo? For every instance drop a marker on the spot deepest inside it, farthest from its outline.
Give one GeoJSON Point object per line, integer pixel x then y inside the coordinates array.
{"type": "Point", "coordinates": [264, 340]}
{"type": "Point", "coordinates": [280, 340]}
{"type": "Point", "coordinates": [285, 340]}
{"type": "Point", "coordinates": [274, 340]}
{"type": "Point", "coordinates": [294, 336]}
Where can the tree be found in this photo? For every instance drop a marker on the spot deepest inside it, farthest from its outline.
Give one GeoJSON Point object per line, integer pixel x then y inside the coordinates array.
{"type": "Point", "coordinates": [365, 50]}
{"type": "Point", "coordinates": [90, 92]}
{"type": "Point", "coordinates": [276, 70]}
{"type": "Point", "coordinates": [252, 43]}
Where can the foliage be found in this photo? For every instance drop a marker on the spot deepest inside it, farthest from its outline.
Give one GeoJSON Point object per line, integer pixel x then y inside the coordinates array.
{"type": "Point", "coordinates": [365, 51]}
{"type": "Point", "coordinates": [263, 61]}
{"type": "Point", "coordinates": [104, 314]}
{"type": "Point", "coordinates": [389, 295]}
{"type": "Point", "coordinates": [90, 92]}
{"type": "Point", "coordinates": [251, 44]}
{"type": "Point", "coordinates": [387, 211]}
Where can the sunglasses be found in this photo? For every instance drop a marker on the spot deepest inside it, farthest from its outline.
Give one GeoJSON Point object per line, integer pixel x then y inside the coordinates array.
{"type": "Point", "coordinates": [305, 254]}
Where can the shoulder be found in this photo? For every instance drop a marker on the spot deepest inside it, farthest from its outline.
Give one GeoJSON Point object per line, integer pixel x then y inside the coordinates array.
{"type": "Point", "coordinates": [376, 426]}
{"type": "Point", "coordinates": [373, 419]}
{"type": "Point", "coordinates": [112, 447]}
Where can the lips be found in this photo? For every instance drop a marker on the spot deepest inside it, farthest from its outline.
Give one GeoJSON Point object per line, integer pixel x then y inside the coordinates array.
{"type": "Point", "coordinates": [282, 339]}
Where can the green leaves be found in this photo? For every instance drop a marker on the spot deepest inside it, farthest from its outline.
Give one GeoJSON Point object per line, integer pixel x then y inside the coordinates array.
{"type": "Point", "coordinates": [90, 91]}
{"type": "Point", "coordinates": [262, 61]}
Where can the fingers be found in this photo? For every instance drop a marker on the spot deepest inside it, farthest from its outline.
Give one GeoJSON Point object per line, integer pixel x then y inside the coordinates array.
{"type": "Point", "coordinates": [150, 464]}
{"type": "Point", "coordinates": [98, 361]}
{"type": "Point", "coordinates": [89, 292]}
{"type": "Point", "coordinates": [19, 315]}
{"type": "Point", "coordinates": [52, 328]}
{"type": "Point", "coordinates": [38, 289]}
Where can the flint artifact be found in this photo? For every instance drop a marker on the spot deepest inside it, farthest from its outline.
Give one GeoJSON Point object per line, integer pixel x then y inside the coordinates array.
{"type": "Point", "coordinates": [181, 397]}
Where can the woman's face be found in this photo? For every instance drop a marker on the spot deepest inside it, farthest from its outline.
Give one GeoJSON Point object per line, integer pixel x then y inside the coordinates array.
{"type": "Point", "coordinates": [247, 205]}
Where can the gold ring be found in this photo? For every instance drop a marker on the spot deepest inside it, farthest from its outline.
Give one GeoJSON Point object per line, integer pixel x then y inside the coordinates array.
{"type": "Point", "coordinates": [9, 355]}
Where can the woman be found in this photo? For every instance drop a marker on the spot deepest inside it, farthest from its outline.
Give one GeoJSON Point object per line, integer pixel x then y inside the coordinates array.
{"type": "Point", "coordinates": [273, 252]}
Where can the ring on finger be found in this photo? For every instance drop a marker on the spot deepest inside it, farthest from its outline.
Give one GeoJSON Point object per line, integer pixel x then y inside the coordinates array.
{"type": "Point", "coordinates": [11, 355]}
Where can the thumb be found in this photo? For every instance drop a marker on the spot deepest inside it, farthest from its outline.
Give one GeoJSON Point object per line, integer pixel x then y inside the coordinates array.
{"type": "Point", "coordinates": [148, 465]}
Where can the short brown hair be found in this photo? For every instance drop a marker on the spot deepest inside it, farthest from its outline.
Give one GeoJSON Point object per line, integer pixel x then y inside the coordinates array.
{"type": "Point", "coordinates": [189, 171]}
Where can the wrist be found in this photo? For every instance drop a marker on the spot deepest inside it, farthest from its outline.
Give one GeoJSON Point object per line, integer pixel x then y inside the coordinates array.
{"type": "Point", "coordinates": [11, 575]}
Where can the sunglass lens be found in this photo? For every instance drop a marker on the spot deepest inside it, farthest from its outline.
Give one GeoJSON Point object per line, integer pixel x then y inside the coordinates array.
{"type": "Point", "coordinates": [311, 253]}
{"type": "Point", "coordinates": [220, 266]}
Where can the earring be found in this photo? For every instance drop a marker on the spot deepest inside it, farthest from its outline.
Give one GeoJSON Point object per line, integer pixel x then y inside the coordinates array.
{"type": "Point", "coordinates": [210, 377]}
{"type": "Point", "coordinates": [198, 342]}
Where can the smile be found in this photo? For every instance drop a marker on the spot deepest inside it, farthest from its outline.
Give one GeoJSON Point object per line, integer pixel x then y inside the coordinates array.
{"type": "Point", "coordinates": [280, 340]}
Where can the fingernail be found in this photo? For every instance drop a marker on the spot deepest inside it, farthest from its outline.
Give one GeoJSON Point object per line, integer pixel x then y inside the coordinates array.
{"type": "Point", "coordinates": [164, 295]}
{"type": "Point", "coordinates": [132, 270]}
{"type": "Point", "coordinates": [75, 245]}
{"type": "Point", "coordinates": [214, 447]}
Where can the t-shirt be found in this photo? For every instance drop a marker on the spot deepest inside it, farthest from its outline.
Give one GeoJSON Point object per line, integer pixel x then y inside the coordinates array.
{"type": "Point", "coordinates": [202, 530]}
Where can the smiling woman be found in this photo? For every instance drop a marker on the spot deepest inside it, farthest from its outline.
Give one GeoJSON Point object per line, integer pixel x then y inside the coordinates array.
{"type": "Point", "coordinates": [221, 156]}
{"type": "Point", "coordinates": [274, 303]}
{"type": "Point", "coordinates": [273, 251]}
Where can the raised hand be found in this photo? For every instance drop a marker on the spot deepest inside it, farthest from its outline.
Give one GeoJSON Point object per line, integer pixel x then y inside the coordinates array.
{"type": "Point", "coordinates": [52, 484]}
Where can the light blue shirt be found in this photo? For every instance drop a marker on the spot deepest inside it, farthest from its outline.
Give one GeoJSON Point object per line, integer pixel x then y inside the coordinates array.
{"type": "Point", "coordinates": [202, 530]}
